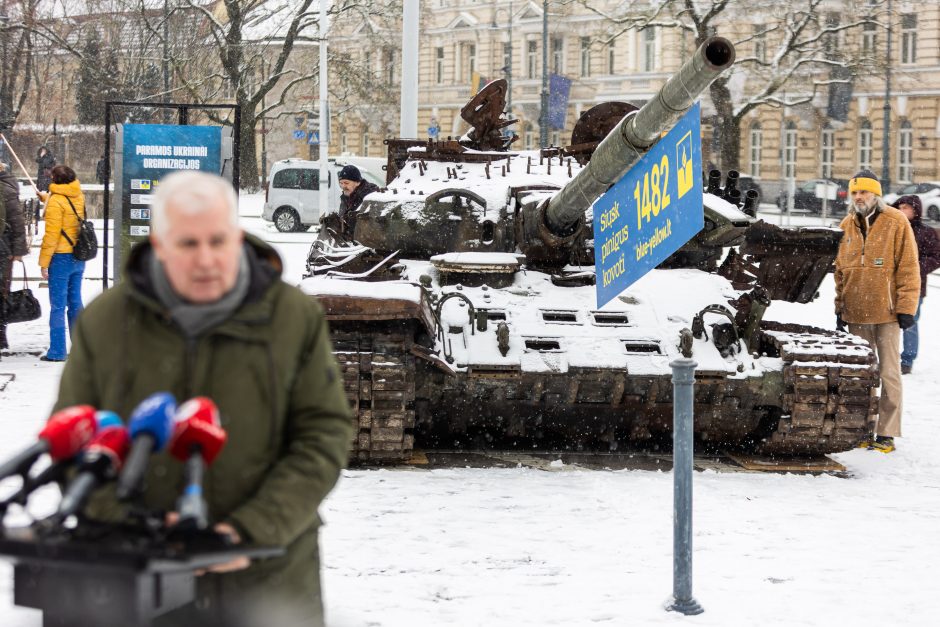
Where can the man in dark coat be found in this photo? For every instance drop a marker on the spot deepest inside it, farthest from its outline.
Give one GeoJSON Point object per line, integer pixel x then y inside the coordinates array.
{"type": "Point", "coordinates": [355, 188]}
{"type": "Point", "coordinates": [45, 161]}
{"type": "Point", "coordinates": [202, 311]}
{"type": "Point", "coordinates": [928, 254]}
{"type": "Point", "coordinates": [13, 245]}
{"type": "Point", "coordinates": [100, 168]}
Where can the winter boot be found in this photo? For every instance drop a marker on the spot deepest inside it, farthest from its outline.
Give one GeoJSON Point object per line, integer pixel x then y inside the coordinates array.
{"type": "Point", "coordinates": [883, 444]}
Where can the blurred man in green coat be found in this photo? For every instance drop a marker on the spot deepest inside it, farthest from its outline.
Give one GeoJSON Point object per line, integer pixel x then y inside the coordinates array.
{"type": "Point", "coordinates": [202, 311]}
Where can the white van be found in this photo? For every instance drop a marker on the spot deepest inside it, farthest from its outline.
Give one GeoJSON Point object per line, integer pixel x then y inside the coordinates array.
{"type": "Point", "coordinates": [292, 197]}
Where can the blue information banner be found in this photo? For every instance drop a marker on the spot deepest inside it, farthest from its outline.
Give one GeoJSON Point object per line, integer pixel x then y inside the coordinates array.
{"type": "Point", "coordinates": [652, 211]}
{"type": "Point", "coordinates": [151, 151]}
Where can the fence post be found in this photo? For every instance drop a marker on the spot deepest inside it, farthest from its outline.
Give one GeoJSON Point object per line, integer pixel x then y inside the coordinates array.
{"type": "Point", "coordinates": [683, 385]}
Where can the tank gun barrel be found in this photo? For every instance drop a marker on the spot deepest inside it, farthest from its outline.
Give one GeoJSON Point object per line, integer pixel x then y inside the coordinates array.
{"type": "Point", "coordinates": [634, 135]}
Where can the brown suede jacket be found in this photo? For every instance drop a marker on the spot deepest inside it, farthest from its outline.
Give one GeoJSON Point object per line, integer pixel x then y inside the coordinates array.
{"type": "Point", "coordinates": [877, 275]}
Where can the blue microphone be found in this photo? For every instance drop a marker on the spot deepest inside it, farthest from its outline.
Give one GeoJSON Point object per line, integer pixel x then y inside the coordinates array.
{"type": "Point", "coordinates": [150, 427]}
{"type": "Point", "coordinates": [107, 418]}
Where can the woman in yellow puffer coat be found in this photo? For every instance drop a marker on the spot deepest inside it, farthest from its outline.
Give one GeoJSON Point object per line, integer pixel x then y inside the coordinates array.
{"type": "Point", "coordinates": [65, 205]}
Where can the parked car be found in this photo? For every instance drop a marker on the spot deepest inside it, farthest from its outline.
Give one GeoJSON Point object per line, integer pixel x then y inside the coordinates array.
{"type": "Point", "coordinates": [928, 192]}
{"type": "Point", "coordinates": [292, 197]}
{"type": "Point", "coordinates": [804, 198]}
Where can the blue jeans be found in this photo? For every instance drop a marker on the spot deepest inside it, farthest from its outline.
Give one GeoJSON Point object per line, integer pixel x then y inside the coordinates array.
{"type": "Point", "coordinates": [909, 354]}
{"type": "Point", "coordinates": [65, 295]}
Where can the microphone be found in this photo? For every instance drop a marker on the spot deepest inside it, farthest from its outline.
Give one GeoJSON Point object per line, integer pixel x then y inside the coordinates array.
{"type": "Point", "coordinates": [64, 435]}
{"type": "Point", "coordinates": [150, 426]}
{"type": "Point", "coordinates": [100, 462]}
{"type": "Point", "coordinates": [56, 470]}
{"type": "Point", "coordinates": [197, 440]}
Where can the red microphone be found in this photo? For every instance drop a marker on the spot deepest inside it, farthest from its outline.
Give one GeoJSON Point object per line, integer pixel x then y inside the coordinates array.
{"type": "Point", "coordinates": [64, 435]}
{"type": "Point", "coordinates": [100, 462]}
{"type": "Point", "coordinates": [197, 440]}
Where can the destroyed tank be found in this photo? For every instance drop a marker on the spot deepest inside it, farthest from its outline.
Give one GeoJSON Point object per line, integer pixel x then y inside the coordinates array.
{"type": "Point", "coordinates": [463, 311]}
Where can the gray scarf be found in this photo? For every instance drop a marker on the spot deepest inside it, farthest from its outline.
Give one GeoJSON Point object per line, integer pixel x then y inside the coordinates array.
{"type": "Point", "coordinates": [196, 319]}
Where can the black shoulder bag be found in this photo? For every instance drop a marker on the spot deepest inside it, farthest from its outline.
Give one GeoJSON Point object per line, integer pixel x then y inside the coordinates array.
{"type": "Point", "coordinates": [86, 247]}
{"type": "Point", "coordinates": [21, 305]}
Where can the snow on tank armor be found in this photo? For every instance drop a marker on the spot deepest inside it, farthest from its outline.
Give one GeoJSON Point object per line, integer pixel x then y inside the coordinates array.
{"type": "Point", "coordinates": [463, 314]}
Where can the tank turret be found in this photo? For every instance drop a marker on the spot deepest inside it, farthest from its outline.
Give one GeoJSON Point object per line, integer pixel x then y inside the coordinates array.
{"type": "Point", "coordinates": [551, 224]}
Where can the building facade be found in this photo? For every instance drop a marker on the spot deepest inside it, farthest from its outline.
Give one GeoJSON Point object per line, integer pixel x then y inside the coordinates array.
{"type": "Point", "coordinates": [465, 42]}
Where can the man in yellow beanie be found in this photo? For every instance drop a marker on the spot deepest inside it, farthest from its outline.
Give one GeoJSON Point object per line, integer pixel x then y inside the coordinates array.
{"type": "Point", "coordinates": [877, 290]}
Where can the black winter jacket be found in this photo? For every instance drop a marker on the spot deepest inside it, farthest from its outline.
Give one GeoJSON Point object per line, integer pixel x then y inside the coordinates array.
{"type": "Point", "coordinates": [10, 195]}
{"type": "Point", "coordinates": [928, 244]}
{"type": "Point", "coordinates": [349, 204]}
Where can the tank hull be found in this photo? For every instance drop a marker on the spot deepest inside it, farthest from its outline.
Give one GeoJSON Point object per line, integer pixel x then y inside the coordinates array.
{"type": "Point", "coordinates": [809, 393]}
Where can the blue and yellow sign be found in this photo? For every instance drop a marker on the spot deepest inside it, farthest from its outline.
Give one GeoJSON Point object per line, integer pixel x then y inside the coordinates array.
{"type": "Point", "coordinates": [652, 211]}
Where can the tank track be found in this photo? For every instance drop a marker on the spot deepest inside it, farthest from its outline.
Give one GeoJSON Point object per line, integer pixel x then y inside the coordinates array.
{"type": "Point", "coordinates": [829, 404]}
{"type": "Point", "coordinates": [379, 379]}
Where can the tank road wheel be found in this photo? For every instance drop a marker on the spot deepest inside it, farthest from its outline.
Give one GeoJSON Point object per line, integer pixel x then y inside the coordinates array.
{"type": "Point", "coordinates": [829, 400]}
{"type": "Point", "coordinates": [379, 379]}
{"type": "Point", "coordinates": [286, 220]}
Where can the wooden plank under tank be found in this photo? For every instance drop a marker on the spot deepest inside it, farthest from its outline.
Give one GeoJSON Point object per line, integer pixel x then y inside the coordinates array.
{"type": "Point", "coordinates": [758, 463]}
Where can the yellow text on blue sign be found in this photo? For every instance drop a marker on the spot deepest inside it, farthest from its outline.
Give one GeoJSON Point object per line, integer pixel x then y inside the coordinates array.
{"type": "Point", "coordinates": [652, 211]}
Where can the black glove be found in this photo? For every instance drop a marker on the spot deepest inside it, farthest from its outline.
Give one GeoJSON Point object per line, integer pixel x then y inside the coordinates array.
{"type": "Point", "coordinates": [906, 321]}
{"type": "Point", "coordinates": [840, 323]}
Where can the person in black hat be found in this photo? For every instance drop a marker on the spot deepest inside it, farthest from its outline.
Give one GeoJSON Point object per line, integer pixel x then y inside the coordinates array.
{"type": "Point", "coordinates": [355, 188]}
{"type": "Point", "coordinates": [877, 281]}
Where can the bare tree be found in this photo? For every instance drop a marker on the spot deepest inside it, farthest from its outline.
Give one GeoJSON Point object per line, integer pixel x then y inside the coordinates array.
{"type": "Point", "coordinates": [792, 52]}
{"type": "Point", "coordinates": [243, 50]}
{"type": "Point", "coordinates": [17, 52]}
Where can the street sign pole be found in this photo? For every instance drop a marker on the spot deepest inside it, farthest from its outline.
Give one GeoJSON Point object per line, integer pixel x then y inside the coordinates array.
{"type": "Point", "coordinates": [644, 218]}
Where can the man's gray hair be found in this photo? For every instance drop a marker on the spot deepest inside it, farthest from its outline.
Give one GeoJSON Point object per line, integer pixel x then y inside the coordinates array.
{"type": "Point", "coordinates": [192, 192]}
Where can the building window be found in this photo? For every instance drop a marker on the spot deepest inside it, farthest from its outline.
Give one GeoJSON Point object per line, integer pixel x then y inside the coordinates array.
{"type": "Point", "coordinates": [531, 59]}
{"type": "Point", "coordinates": [757, 148]}
{"type": "Point", "coordinates": [507, 59]}
{"type": "Point", "coordinates": [365, 144]}
{"type": "Point", "coordinates": [760, 43]}
{"type": "Point", "coordinates": [343, 143]}
{"type": "Point", "coordinates": [367, 62]}
{"type": "Point", "coordinates": [611, 58]}
{"type": "Point", "coordinates": [585, 56]}
{"type": "Point", "coordinates": [649, 49]}
{"type": "Point", "coordinates": [471, 60]}
{"type": "Point", "coordinates": [789, 151]}
{"type": "Point", "coordinates": [909, 38]}
{"type": "Point", "coordinates": [558, 55]}
{"type": "Point", "coordinates": [864, 145]}
{"type": "Point", "coordinates": [439, 65]}
{"type": "Point", "coordinates": [906, 153]}
{"type": "Point", "coordinates": [869, 38]}
{"type": "Point", "coordinates": [555, 139]}
{"type": "Point", "coordinates": [390, 67]}
{"type": "Point", "coordinates": [529, 136]}
{"type": "Point", "coordinates": [828, 154]}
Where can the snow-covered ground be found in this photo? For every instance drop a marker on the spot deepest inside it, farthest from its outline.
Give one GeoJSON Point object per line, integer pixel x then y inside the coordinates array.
{"type": "Point", "coordinates": [568, 546]}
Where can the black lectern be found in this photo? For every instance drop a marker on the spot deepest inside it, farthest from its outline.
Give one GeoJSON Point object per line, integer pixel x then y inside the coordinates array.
{"type": "Point", "coordinates": [104, 575]}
